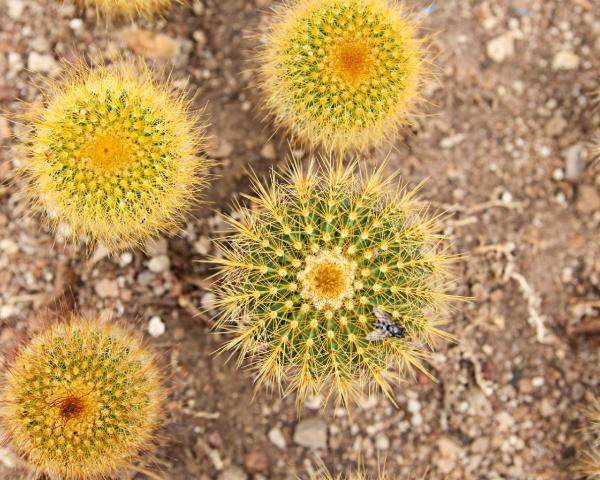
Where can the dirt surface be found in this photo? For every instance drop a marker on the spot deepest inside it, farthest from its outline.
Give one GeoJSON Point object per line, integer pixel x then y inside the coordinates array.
{"type": "Point", "coordinates": [504, 144]}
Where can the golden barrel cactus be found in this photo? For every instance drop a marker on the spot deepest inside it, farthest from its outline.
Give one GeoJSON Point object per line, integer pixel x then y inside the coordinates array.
{"type": "Point", "coordinates": [82, 400]}
{"type": "Point", "coordinates": [114, 154]}
{"type": "Point", "coordinates": [341, 73]}
{"type": "Point", "coordinates": [332, 279]}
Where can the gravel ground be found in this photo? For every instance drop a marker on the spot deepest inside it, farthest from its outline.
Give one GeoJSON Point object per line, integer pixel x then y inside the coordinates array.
{"type": "Point", "coordinates": [504, 144]}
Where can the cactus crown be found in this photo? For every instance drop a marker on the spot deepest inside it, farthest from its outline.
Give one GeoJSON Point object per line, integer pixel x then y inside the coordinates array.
{"type": "Point", "coordinates": [341, 73]}
{"type": "Point", "coordinates": [81, 400]}
{"type": "Point", "coordinates": [113, 155]}
{"type": "Point", "coordinates": [310, 270]}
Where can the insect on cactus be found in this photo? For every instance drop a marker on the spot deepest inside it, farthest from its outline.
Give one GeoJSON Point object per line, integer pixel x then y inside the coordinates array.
{"type": "Point", "coordinates": [342, 73]}
{"type": "Point", "coordinates": [316, 272]}
{"type": "Point", "coordinates": [113, 154]}
{"type": "Point", "coordinates": [82, 400]}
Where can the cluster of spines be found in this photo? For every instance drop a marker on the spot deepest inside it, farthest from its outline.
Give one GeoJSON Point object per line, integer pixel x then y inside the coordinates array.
{"type": "Point", "coordinates": [342, 73]}
{"type": "Point", "coordinates": [114, 154]}
{"type": "Point", "coordinates": [82, 399]}
{"type": "Point", "coordinates": [128, 8]}
{"type": "Point", "coordinates": [319, 345]}
{"type": "Point", "coordinates": [589, 462]}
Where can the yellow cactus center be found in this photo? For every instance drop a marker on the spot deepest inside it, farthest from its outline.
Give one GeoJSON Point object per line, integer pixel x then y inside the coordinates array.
{"type": "Point", "coordinates": [108, 152]}
{"type": "Point", "coordinates": [327, 280]}
{"type": "Point", "coordinates": [352, 61]}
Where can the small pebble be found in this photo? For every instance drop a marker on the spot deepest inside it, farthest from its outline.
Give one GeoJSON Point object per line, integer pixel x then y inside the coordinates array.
{"type": "Point", "coordinates": [159, 264]}
{"type": "Point", "coordinates": [156, 327]}
{"type": "Point", "coordinates": [565, 60]}
{"type": "Point", "coordinates": [311, 433]}
{"type": "Point", "coordinates": [501, 48]}
{"type": "Point", "coordinates": [256, 461]}
{"type": "Point", "coordinates": [276, 438]}
{"type": "Point", "coordinates": [106, 288]}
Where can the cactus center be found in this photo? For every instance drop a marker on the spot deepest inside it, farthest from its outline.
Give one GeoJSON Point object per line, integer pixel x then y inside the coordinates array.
{"type": "Point", "coordinates": [71, 407]}
{"type": "Point", "coordinates": [327, 280]}
{"type": "Point", "coordinates": [108, 152]}
{"type": "Point", "coordinates": [352, 61]}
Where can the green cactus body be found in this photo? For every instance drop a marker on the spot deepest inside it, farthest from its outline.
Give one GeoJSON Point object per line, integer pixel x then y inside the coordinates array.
{"type": "Point", "coordinates": [305, 272]}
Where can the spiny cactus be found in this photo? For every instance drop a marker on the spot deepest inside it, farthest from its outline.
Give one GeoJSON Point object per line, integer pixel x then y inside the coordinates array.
{"type": "Point", "coordinates": [341, 73]}
{"type": "Point", "coordinates": [358, 475]}
{"type": "Point", "coordinates": [82, 400]}
{"type": "Point", "coordinates": [589, 463]}
{"type": "Point", "coordinates": [128, 8]}
{"type": "Point", "coordinates": [326, 262]}
{"type": "Point", "coordinates": [113, 154]}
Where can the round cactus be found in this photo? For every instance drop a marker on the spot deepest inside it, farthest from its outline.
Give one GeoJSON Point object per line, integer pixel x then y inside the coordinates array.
{"type": "Point", "coordinates": [341, 73]}
{"type": "Point", "coordinates": [82, 400]}
{"type": "Point", "coordinates": [128, 8]}
{"type": "Point", "coordinates": [332, 280]}
{"type": "Point", "coordinates": [113, 155]}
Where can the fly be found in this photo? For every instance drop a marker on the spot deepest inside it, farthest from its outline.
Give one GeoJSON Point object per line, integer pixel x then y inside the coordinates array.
{"type": "Point", "coordinates": [385, 327]}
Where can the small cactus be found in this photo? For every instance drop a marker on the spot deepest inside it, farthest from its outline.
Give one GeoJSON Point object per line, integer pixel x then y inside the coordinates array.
{"type": "Point", "coordinates": [341, 73]}
{"type": "Point", "coordinates": [81, 400]}
{"type": "Point", "coordinates": [113, 155]}
{"type": "Point", "coordinates": [589, 462]}
{"type": "Point", "coordinates": [327, 259]}
{"type": "Point", "coordinates": [128, 8]}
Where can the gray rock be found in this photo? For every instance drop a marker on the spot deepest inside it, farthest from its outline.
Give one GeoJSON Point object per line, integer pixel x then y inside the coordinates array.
{"type": "Point", "coordinates": [311, 433]}
{"type": "Point", "coordinates": [574, 161]}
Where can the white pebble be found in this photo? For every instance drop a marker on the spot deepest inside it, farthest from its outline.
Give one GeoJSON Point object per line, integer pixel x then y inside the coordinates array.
{"type": "Point", "coordinates": [156, 327]}
{"type": "Point", "coordinates": [414, 406]}
{"type": "Point", "coordinates": [125, 259]}
{"type": "Point", "coordinates": [565, 60]}
{"type": "Point", "coordinates": [537, 382]}
{"type": "Point", "coordinates": [76, 24]}
{"type": "Point", "coordinates": [276, 437]}
{"type": "Point", "coordinates": [159, 264]}
{"type": "Point", "coordinates": [558, 174]}
{"type": "Point", "coordinates": [208, 302]}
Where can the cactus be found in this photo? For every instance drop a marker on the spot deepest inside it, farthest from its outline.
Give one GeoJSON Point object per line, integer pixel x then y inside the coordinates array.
{"type": "Point", "coordinates": [113, 154]}
{"type": "Point", "coordinates": [328, 258]}
{"type": "Point", "coordinates": [341, 73]}
{"type": "Point", "coordinates": [589, 462]}
{"type": "Point", "coordinates": [128, 8]}
{"type": "Point", "coordinates": [81, 400]}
